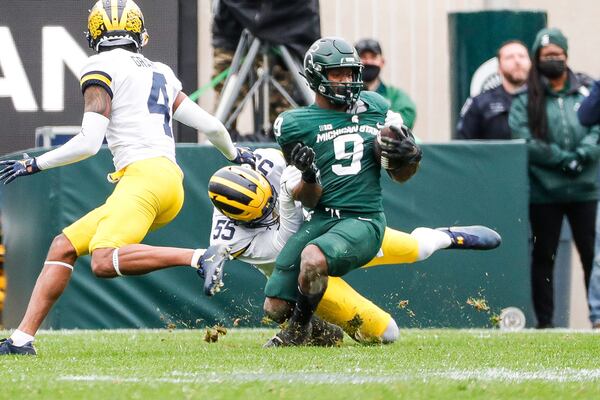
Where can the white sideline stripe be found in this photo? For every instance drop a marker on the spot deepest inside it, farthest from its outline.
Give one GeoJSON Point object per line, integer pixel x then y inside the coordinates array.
{"type": "Point", "coordinates": [492, 374]}
{"type": "Point", "coordinates": [62, 264]}
{"type": "Point", "coordinates": [412, 332]}
{"type": "Point", "coordinates": [481, 334]}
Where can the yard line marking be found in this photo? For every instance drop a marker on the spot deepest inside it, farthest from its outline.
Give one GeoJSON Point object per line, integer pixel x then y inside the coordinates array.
{"type": "Point", "coordinates": [491, 374]}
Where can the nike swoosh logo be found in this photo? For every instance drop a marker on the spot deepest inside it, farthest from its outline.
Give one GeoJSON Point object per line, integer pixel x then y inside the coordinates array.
{"type": "Point", "coordinates": [365, 219]}
{"type": "Point", "coordinates": [379, 126]}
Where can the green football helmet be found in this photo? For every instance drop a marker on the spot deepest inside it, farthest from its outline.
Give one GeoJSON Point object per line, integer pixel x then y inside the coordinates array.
{"type": "Point", "coordinates": [328, 53]}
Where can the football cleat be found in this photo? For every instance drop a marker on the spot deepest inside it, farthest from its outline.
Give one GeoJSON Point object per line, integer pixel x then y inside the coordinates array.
{"type": "Point", "coordinates": [7, 347]}
{"type": "Point", "coordinates": [293, 334]}
{"type": "Point", "coordinates": [474, 237]}
{"type": "Point", "coordinates": [210, 268]}
{"type": "Point", "coordinates": [325, 334]}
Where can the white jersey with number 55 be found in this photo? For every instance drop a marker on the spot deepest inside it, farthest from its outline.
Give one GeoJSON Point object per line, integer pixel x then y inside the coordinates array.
{"type": "Point", "coordinates": [142, 93]}
{"type": "Point", "coordinates": [260, 246]}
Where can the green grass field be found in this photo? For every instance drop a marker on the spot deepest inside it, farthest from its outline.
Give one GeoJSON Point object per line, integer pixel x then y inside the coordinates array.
{"type": "Point", "coordinates": [423, 364]}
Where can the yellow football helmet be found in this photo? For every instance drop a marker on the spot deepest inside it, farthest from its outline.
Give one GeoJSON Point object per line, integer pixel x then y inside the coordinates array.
{"type": "Point", "coordinates": [116, 23]}
{"type": "Point", "coordinates": [244, 195]}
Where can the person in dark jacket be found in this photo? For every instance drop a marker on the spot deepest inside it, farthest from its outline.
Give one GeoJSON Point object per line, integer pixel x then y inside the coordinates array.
{"type": "Point", "coordinates": [486, 116]}
{"type": "Point", "coordinates": [589, 114]}
{"type": "Point", "coordinates": [563, 161]}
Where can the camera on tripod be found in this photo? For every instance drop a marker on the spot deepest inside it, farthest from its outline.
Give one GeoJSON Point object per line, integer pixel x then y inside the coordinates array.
{"type": "Point", "coordinates": [266, 68]}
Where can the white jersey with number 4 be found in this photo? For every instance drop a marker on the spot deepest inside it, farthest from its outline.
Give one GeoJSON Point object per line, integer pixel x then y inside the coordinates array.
{"type": "Point", "coordinates": [142, 93]}
{"type": "Point", "coordinates": [260, 246]}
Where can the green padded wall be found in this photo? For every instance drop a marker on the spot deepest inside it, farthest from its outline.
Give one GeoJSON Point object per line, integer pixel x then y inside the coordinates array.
{"type": "Point", "coordinates": [478, 183]}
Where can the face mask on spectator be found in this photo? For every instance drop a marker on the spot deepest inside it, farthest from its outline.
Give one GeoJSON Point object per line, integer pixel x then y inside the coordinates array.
{"type": "Point", "coordinates": [370, 72]}
{"type": "Point", "coordinates": [552, 69]}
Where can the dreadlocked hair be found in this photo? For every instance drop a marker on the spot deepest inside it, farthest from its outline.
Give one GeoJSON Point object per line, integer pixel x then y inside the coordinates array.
{"type": "Point", "coordinates": [536, 101]}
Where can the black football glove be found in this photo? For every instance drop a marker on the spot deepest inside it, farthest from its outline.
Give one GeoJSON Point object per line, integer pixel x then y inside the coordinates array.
{"type": "Point", "coordinates": [245, 156]}
{"type": "Point", "coordinates": [403, 151]}
{"type": "Point", "coordinates": [303, 158]}
{"type": "Point", "coordinates": [12, 169]}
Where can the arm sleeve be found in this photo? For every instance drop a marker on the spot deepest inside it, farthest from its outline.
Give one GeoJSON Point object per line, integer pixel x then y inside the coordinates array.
{"type": "Point", "coordinates": [83, 145]}
{"type": "Point", "coordinates": [540, 152]}
{"type": "Point", "coordinates": [192, 115]}
{"type": "Point", "coordinates": [393, 118]}
{"type": "Point", "coordinates": [469, 122]}
{"type": "Point", "coordinates": [291, 215]}
{"type": "Point", "coordinates": [589, 112]}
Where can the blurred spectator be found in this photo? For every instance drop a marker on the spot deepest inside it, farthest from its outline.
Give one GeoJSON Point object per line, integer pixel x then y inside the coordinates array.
{"type": "Point", "coordinates": [293, 23]}
{"type": "Point", "coordinates": [563, 161]}
{"type": "Point", "coordinates": [589, 114]}
{"type": "Point", "coordinates": [486, 116]}
{"type": "Point", "coordinates": [594, 288]}
{"type": "Point", "coordinates": [371, 56]}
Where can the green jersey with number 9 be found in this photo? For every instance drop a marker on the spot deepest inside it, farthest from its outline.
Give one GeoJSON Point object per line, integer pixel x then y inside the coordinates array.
{"type": "Point", "coordinates": [343, 144]}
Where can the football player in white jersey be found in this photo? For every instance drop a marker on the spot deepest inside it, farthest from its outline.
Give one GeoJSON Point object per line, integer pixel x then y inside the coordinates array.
{"type": "Point", "coordinates": [255, 214]}
{"type": "Point", "coordinates": [131, 101]}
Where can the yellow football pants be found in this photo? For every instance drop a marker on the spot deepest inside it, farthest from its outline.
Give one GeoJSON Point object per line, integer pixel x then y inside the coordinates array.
{"type": "Point", "coordinates": [148, 196]}
{"type": "Point", "coordinates": [356, 315]}
{"type": "Point", "coordinates": [397, 248]}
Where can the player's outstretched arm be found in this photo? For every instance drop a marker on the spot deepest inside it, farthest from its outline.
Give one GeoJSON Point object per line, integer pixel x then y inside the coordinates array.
{"type": "Point", "coordinates": [291, 216]}
{"type": "Point", "coordinates": [85, 144]}
{"type": "Point", "coordinates": [191, 114]}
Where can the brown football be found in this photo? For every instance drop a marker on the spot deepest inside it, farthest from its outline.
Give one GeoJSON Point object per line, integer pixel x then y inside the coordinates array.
{"type": "Point", "coordinates": [384, 162]}
{"type": "Point", "coordinates": [396, 170]}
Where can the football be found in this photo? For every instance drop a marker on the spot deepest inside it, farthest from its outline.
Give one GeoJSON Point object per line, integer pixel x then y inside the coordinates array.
{"type": "Point", "coordinates": [383, 161]}
{"type": "Point", "coordinates": [397, 169]}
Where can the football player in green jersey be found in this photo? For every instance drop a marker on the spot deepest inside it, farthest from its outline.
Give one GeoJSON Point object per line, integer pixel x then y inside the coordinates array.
{"type": "Point", "coordinates": [331, 143]}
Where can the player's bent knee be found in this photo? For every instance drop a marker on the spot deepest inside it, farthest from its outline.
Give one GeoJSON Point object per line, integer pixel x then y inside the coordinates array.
{"type": "Point", "coordinates": [277, 309]}
{"type": "Point", "coordinates": [61, 249]}
{"type": "Point", "coordinates": [102, 263]}
{"type": "Point", "coordinates": [426, 245]}
{"type": "Point", "coordinates": [391, 333]}
{"type": "Point", "coordinates": [313, 260]}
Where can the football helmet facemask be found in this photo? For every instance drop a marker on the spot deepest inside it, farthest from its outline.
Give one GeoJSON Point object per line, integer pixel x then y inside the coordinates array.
{"type": "Point", "coordinates": [244, 195]}
{"type": "Point", "coordinates": [328, 53]}
{"type": "Point", "coordinates": [116, 23]}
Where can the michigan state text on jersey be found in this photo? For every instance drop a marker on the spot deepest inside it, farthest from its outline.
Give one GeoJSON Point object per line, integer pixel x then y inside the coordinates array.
{"type": "Point", "coordinates": [340, 182]}
{"type": "Point", "coordinates": [343, 144]}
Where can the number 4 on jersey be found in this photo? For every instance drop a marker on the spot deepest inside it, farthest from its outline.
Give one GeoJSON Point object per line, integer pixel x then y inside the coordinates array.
{"type": "Point", "coordinates": [159, 85]}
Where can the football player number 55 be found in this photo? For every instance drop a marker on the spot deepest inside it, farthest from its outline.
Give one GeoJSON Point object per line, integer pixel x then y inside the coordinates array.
{"type": "Point", "coordinates": [354, 153]}
{"type": "Point", "coordinates": [159, 86]}
{"type": "Point", "coordinates": [225, 229]}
